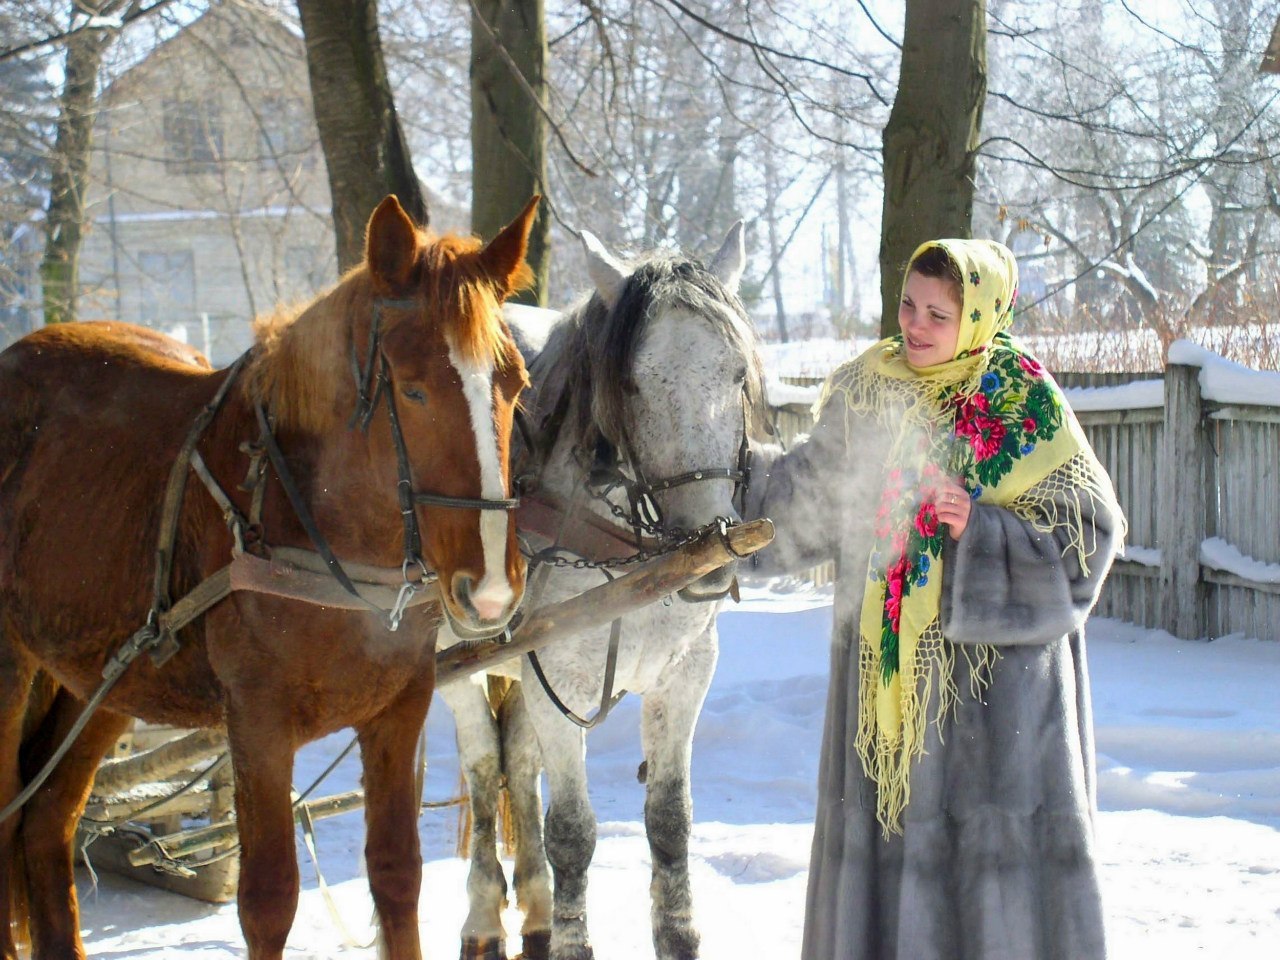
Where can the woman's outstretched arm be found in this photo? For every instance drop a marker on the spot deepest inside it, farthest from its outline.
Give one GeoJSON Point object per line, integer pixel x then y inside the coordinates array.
{"type": "Point", "coordinates": [798, 490]}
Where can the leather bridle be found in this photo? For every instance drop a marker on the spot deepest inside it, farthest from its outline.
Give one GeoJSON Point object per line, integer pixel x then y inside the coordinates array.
{"type": "Point", "coordinates": [371, 387]}
{"type": "Point", "coordinates": [617, 467]}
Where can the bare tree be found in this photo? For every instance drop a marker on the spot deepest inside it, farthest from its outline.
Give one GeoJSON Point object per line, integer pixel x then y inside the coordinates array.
{"type": "Point", "coordinates": [27, 115]}
{"type": "Point", "coordinates": [1133, 168]}
{"type": "Point", "coordinates": [364, 146]}
{"type": "Point", "coordinates": [1271, 58]}
{"type": "Point", "coordinates": [508, 125]}
{"type": "Point", "coordinates": [931, 140]}
{"type": "Point", "coordinates": [64, 215]}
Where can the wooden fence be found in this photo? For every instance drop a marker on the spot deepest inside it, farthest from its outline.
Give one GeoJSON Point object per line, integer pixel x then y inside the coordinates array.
{"type": "Point", "coordinates": [1199, 481]}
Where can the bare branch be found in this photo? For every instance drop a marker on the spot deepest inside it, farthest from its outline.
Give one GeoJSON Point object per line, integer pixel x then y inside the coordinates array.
{"type": "Point", "coordinates": [100, 22]}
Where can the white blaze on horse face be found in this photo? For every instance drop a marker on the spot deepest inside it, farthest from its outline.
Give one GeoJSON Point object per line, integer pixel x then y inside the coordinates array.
{"type": "Point", "coordinates": [493, 595]}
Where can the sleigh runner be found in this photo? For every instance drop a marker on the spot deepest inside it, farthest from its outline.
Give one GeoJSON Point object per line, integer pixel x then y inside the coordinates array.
{"type": "Point", "coordinates": [161, 807]}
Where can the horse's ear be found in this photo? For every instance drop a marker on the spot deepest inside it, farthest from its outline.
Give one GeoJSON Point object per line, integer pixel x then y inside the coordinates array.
{"type": "Point", "coordinates": [503, 257]}
{"type": "Point", "coordinates": [727, 265]}
{"type": "Point", "coordinates": [390, 246]}
{"type": "Point", "coordinates": [606, 273]}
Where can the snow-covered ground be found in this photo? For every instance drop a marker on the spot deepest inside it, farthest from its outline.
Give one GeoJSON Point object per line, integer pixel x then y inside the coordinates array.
{"type": "Point", "coordinates": [1188, 836]}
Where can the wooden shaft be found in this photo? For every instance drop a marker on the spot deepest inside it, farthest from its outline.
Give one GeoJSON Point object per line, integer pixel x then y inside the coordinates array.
{"type": "Point", "coordinates": [116, 776]}
{"type": "Point", "coordinates": [602, 604]}
{"type": "Point", "coordinates": [216, 834]}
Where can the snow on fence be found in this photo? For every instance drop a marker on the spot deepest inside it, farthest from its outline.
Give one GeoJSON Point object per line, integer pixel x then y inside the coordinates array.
{"type": "Point", "coordinates": [1195, 458]}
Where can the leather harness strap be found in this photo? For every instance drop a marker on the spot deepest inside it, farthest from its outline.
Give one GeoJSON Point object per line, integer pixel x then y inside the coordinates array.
{"type": "Point", "coordinates": [159, 641]}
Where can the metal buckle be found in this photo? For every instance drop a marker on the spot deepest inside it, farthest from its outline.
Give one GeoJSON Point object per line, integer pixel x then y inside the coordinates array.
{"type": "Point", "coordinates": [408, 590]}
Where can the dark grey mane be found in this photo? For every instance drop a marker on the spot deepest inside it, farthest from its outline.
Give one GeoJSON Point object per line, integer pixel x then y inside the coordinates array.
{"type": "Point", "coordinates": [584, 371]}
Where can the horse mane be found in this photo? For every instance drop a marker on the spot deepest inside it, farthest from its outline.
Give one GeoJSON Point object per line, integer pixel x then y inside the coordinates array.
{"type": "Point", "coordinates": [586, 365]}
{"type": "Point", "coordinates": [301, 366]}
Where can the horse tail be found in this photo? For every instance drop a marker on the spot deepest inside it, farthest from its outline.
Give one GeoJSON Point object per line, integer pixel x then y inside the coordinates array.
{"type": "Point", "coordinates": [498, 690]}
{"type": "Point", "coordinates": [19, 406]}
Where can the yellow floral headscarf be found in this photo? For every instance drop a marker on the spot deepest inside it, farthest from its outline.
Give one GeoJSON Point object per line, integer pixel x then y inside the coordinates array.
{"type": "Point", "coordinates": [992, 418]}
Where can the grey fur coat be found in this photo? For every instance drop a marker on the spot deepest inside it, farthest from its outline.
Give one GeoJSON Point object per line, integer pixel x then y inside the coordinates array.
{"type": "Point", "coordinates": [996, 858]}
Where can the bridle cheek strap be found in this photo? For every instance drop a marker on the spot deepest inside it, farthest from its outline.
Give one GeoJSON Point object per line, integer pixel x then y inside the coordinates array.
{"type": "Point", "coordinates": [640, 491]}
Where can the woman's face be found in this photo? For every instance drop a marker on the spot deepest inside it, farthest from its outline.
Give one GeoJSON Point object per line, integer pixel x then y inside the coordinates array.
{"type": "Point", "coordinates": [930, 319]}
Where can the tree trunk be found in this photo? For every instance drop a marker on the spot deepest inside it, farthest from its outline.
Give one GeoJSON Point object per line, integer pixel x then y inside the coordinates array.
{"type": "Point", "coordinates": [68, 180]}
{"type": "Point", "coordinates": [775, 252]}
{"type": "Point", "coordinates": [1271, 59]}
{"type": "Point", "coordinates": [508, 128]}
{"type": "Point", "coordinates": [931, 139]}
{"type": "Point", "coordinates": [364, 147]}
{"type": "Point", "coordinates": [844, 320]}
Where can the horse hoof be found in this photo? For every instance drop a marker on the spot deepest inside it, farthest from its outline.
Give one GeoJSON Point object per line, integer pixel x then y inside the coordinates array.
{"type": "Point", "coordinates": [537, 946]}
{"type": "Point", "coordinates": [483, 948]}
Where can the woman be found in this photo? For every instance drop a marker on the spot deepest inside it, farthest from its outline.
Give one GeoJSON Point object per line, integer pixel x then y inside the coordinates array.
{"type": "Point", "coordinates": [973, 527]}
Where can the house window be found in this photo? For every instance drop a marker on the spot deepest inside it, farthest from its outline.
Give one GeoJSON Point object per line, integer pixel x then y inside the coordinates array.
{"type": "Point", "coordinates": [284, 133]}
{"type": "Point", "coordinates": [192, 135]}
{"type": "Point", "coordinates": [168, 288]}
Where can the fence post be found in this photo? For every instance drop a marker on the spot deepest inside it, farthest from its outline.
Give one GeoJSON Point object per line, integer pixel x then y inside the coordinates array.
{"type": "Point", "coordinates": [1181, 502]}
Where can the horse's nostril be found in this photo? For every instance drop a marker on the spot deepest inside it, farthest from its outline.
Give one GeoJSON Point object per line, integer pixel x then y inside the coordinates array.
{"type": "Point", "coordinates": [482, 605]}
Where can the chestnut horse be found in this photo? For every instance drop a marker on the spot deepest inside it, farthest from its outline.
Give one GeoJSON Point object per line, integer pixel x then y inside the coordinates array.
{"type": "Point", "coordinates": [92, 415]}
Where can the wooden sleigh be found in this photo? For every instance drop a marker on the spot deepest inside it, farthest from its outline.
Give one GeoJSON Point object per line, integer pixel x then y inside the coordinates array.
{"type": "Point", "coordinates": [161, 808]}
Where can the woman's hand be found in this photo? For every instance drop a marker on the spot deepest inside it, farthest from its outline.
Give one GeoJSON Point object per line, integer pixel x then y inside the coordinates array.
{"type": "Point", "coordinates": [953, 507]}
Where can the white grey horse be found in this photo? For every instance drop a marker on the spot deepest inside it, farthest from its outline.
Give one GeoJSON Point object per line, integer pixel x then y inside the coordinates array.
{"type": "Point", "coordinates": [640, 402]}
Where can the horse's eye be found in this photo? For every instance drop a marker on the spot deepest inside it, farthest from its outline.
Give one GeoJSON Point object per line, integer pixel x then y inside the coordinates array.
{"type": "Point", "coordinates": [417, 396]}
{"type": "Point", "coordinates": [740, 376]}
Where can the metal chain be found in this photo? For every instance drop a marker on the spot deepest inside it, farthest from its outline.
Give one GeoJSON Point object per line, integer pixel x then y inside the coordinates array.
{"type": "Point", "coordinates": [552, 558]}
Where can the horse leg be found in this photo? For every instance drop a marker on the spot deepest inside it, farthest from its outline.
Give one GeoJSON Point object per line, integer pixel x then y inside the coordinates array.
{"type": "Point", "coordinates": [49, 823]}
{"type": "Point", "coordinates": [392, 854]}
{"type": "Point", "coordinates": [522, 762]}
{"type": "Point", "coordinates": [479, 753]}
{"type": "Point", "coordinates": [570, 829]}
{"type": "Point", "coordinates": [668, 717]}
{"type": "Point", "coordinates": [16, 674]}
{"type": "Point", "coordinates": [262, 748]}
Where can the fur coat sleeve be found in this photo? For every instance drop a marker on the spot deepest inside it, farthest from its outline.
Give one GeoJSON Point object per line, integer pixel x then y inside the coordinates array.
{"type": "Point", "coordinates": [1009, 583]}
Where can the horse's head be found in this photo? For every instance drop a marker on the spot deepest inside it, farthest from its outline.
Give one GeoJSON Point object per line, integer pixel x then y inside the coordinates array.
{"type": "Point", "coordinates": [452, 376]}
{"type": "Point", "coordinates": [678, 383]}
